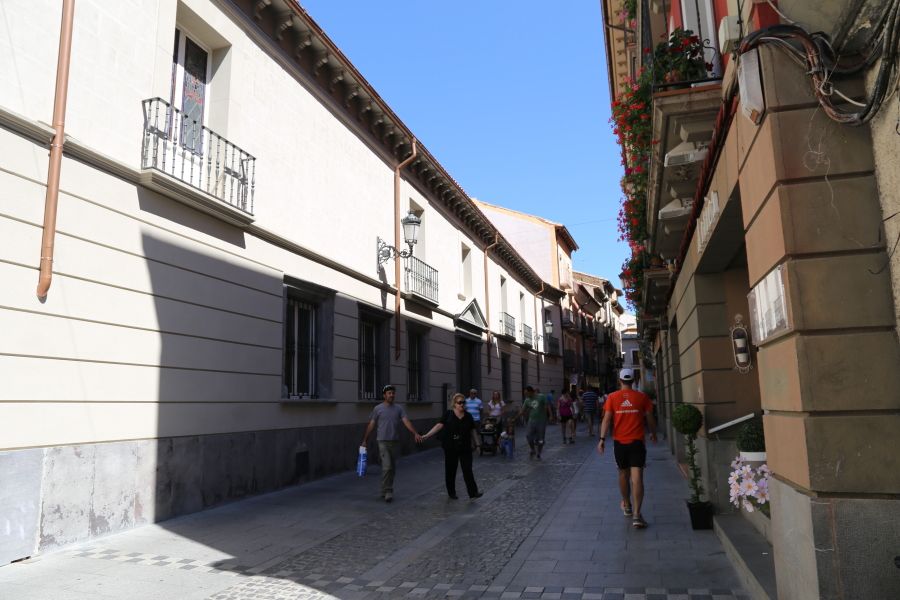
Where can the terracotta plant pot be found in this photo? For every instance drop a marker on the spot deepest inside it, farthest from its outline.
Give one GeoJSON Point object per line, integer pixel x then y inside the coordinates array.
{"type": "Point", "coordinates": [701, 514]}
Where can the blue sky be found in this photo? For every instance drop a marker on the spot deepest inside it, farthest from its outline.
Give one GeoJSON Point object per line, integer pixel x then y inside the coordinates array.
{"type": "Point", "coordinates": [511, 96]}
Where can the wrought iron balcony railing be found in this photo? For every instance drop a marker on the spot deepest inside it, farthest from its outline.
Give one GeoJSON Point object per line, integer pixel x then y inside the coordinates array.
{"type": "Point", "coordinates": [567, 318]}
{"type": "Point", "coordinates": [421, 278]}
{"type": "Point", "coordinates": [184, 149]}
{"type": "Point", "coordinates": [527, 335]}
{"type": "Point", "coordinates": [552, 345]}
{"type": "Point", "coordinates": [507, 325]}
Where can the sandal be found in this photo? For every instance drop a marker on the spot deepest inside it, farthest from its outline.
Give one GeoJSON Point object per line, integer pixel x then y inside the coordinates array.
{"type": "Point", "coordinates": [626, 509]}
{"type": "Point", "coordinates": [639, 523]}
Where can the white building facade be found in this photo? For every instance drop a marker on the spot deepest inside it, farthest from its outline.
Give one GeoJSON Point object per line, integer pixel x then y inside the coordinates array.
{"type": "Point", "coordinates": [218, 322]}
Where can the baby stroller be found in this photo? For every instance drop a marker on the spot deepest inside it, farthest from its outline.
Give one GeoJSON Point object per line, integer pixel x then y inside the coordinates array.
{"type": "Point", "coordinates": [490, 435]}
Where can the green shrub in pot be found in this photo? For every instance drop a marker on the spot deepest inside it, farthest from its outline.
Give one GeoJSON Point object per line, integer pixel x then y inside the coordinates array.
{"type": "Point", "coordinates": [687, 420]}
{"type": "Point", "coordinates": [750, 437]}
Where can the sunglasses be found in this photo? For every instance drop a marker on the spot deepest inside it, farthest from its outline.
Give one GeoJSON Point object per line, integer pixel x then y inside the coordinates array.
{"type": "Point", "coordinates": [460, 402]}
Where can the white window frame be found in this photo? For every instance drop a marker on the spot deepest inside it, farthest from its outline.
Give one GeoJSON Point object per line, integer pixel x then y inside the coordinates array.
{"type": "Point", "coordinates": [690, 19]}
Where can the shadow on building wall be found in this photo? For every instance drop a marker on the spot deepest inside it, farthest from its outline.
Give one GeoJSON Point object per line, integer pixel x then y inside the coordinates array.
{"type": "Point", "coordinates": [224, 432]}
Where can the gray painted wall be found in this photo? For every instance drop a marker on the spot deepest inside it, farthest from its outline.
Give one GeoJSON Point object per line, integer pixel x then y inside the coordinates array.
{"type": "Point", "coordinates": [20, 495]}
{"type": "Point", "coordinates": [57, 496]}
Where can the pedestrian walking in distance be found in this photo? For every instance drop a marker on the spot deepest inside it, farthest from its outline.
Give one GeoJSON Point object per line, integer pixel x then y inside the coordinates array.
{"type": "Point", "coordinates": [459, 439]}
{"type": "Point", "coordinates": [565, 406]}
{"type": "Point", "coordinates": [589, 400]}
{"type": "Point", "coordinates": [628, 410]}
{"type": "Point", "coordinates": [538, 412]}
{"type": "Point", "coordinates": [495, 407]}
{"type": "Point", "coordinates": [474, 406]}
{"type": "Point", "coordinates": [387, 418]}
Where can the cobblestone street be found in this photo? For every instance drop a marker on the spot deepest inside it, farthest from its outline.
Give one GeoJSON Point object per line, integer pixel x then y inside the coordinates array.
{"type": "Point", "coordinates": [550, 529]}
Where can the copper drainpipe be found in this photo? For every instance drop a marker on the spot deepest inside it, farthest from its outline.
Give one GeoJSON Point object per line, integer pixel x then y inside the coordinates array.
{"type": "Point", "coordinates": [397, 170]}
{"type": "Point", "coordinates": [56, 149]}
{"type": "Point", "coordinates": [538, 327]}
{"type": "Point", "coordinates": [487, 298]}
{"type": "Point", "coordinates": [539, 322]}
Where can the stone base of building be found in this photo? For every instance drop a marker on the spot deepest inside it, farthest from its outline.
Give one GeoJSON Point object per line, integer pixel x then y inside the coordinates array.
{"type": "Point", "coordinates": [715, 458]}
{"type": "Point", "coordinates": [749, 553]}
{"type": "Point", "coordinates": [834, 547]}
{"type": "Point", "coordinates": [56, 496]}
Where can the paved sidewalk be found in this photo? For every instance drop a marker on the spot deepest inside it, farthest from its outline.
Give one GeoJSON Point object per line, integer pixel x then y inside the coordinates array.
{"type": "Point", "coordinates": [545, 530]}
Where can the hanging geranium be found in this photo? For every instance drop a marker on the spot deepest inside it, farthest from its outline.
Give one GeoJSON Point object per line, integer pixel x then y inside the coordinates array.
{"type": "Point", "coordinates": [679, 58]}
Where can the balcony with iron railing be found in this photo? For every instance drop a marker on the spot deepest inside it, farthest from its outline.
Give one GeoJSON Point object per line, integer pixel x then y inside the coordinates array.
{"type": "Point", "coordinates": [421, 279]}
{"type": "Point", "coordinates": [182, 149]}
{"type": "Point", "coordinates": [527, 335]}
{"type": "Point", "coordinates": [551, 345]}
{"type": "Point", "coordinates": [587, 327]}
{"type": "Point", "coordinates": [507, 325]}
{"type": "Point", "coordinates": [569, 359]}
{"type": "Point", "coordinates": [567, 318]}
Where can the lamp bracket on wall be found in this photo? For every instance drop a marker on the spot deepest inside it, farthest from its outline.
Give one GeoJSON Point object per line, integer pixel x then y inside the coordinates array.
{"type": "Point", "coordinates": [386, 252]}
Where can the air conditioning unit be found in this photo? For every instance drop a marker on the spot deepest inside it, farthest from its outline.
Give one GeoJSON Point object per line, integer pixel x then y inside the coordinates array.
{"type": "Point", "coordinates": [683, 154]}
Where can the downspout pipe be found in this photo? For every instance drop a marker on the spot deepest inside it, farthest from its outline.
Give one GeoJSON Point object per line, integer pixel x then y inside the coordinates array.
{"type": "Point", "coordinates": [539, 316]}
{"type": "Point", "coordinates": [487, 298]}
{"type": "Point", "coordinates": [56, 149]}
{"type": "Point", "coordinates": [539, 328]}
{"type": "Point", "coordinates": [397, 241]}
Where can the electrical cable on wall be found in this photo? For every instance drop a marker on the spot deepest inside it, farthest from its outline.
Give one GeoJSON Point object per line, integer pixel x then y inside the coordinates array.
{"type": "Point", "coordinates": [823, 63]}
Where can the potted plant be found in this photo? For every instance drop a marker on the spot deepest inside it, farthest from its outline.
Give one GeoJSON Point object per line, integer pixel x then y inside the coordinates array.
{"type": "Point", "coordinates": [751, 441]}
{"type": "Point", "coordinates": [687, 420]}
{"type": "Point", "coordinates": [680, 58]}
{"type": "Point", "coordinates": [749, 486]}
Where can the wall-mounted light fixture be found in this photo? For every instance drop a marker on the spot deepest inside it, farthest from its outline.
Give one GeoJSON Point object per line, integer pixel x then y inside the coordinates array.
{"type": "Point", "coordinates": [410, 235]}
{"type": "Point", "coordinates": [740, 345]}
{"type": "Point", "coordinates": [548, 330]}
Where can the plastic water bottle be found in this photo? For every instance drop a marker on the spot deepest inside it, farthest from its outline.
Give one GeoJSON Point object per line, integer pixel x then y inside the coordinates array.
{"type": "Point", "coordinates": [361, 461]}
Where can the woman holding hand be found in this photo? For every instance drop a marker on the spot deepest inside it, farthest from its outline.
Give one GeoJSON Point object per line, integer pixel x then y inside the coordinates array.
{"type": "Point", "coordinates": [459, 438]}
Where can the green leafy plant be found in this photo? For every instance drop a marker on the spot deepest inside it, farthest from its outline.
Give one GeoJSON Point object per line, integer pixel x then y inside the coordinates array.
{"type": "Point", "coordinates": [680, 58]}
{"type": "Point", "coordinates": [687, 420]}
{"type": "Point", "coordinates": [751, 437]}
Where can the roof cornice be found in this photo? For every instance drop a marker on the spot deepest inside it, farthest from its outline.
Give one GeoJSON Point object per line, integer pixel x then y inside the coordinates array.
{"type": "Point", "coordinates": [297, 37]}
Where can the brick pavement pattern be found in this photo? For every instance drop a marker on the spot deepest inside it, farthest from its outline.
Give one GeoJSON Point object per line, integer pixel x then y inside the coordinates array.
{"type": "Point", "coordinates": [549, 530]}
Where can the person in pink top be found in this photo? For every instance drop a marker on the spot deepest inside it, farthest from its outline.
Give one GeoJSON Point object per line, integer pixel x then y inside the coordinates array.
{"type": "Point", "coordinates": [566, 409]}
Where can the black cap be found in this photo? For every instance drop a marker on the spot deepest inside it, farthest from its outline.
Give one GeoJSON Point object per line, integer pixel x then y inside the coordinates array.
{"type": "Point", "coordinates": [387, 388]}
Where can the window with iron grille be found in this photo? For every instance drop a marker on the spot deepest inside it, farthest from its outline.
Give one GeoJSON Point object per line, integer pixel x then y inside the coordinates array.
{"type": "Point", "coordinates": [300, 349]}
{"type": "Point", "coordinates": [368, 359]}
{"type": "Point", "coordinates": [414, 366]}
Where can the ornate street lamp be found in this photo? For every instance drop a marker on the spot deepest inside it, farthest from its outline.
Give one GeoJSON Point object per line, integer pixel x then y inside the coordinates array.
{"type": "Point", "coordinates": [410, 235]}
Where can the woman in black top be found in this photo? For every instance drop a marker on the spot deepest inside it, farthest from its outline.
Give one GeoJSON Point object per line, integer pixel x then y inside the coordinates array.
{"type": "Point", "coordinates": [457, 441]}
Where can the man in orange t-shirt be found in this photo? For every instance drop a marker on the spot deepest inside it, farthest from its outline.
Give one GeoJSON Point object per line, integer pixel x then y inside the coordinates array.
{"type": "Point", "coordinates": [628, 409]}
